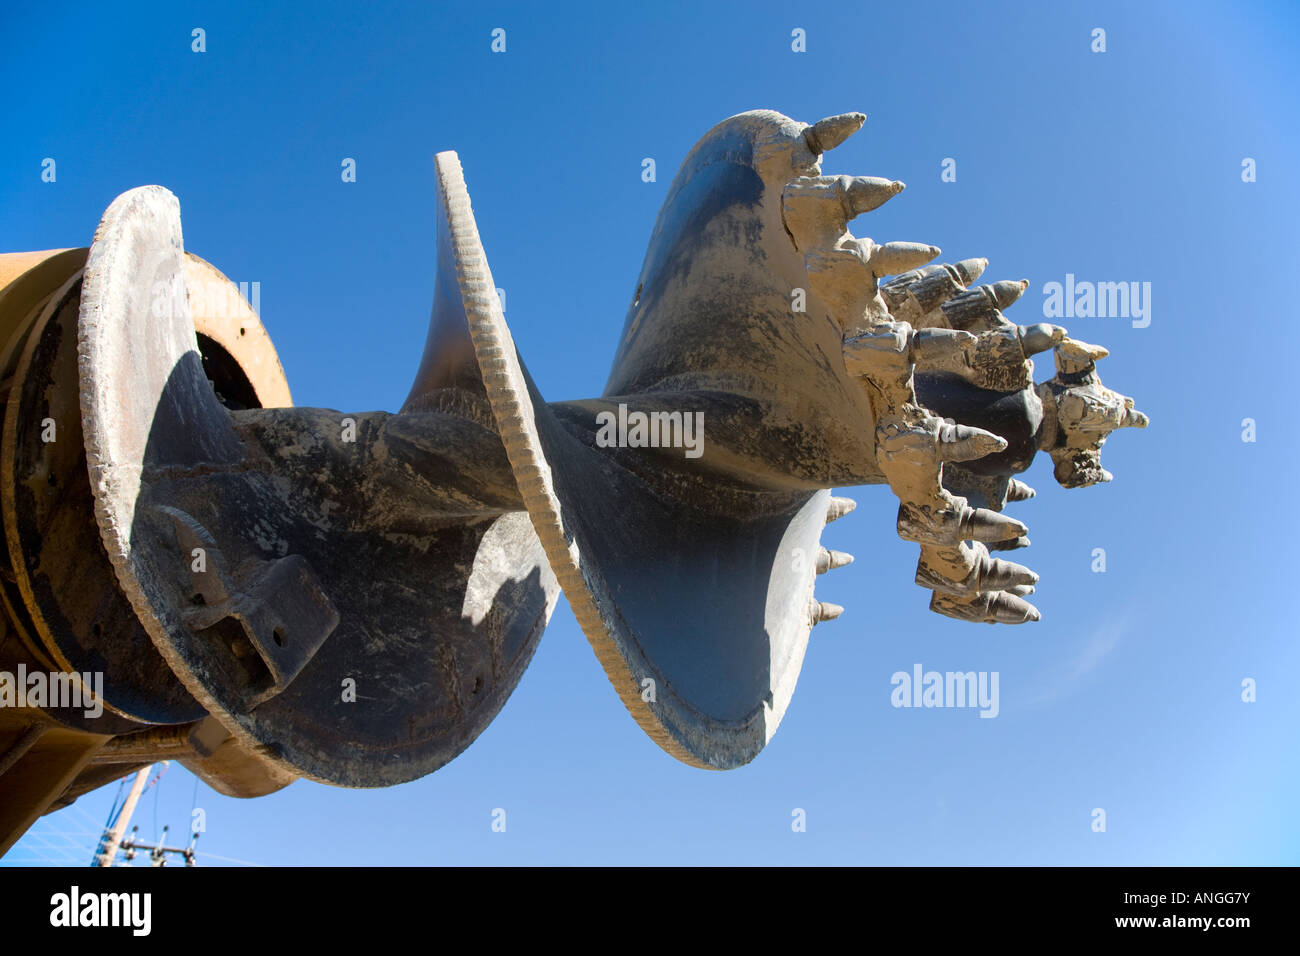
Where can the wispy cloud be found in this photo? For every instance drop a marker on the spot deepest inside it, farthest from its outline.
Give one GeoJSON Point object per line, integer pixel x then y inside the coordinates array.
{"type": "Point", "coordinates": [1064, 678]}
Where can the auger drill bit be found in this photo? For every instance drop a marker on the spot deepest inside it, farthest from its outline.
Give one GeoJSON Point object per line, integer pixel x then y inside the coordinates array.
{"type": "Point", "coordinates": [818, 360]}
{"type": "Point", "coordinates": [285, 592]}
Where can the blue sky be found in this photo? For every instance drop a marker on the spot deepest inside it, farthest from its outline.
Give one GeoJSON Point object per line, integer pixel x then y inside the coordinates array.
{"type": "Point", "coordinates": [1116, 166]}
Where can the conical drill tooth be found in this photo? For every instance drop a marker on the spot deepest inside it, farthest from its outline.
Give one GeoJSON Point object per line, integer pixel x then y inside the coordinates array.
{"type": "Point", "coordinates": [1020, 590]}
{"type": "Point", "coordinates": [981, 524]}
{"type": "Point", "coordinates": [820, 611]}
{"type": "Point", "coordinates": [830, 132]}
{"type": "Point", "coordinates": [865, 193]}
{"type": "Point", "coordinates": [1006, 292]}
{"type": "Point", "coordinates": [942, 349]}
{"type": "Point", "coordinates": [973, 310]}
{"type": "Point", "coordinates": [1041, 337]}
{"type": "Point", "coordinates": [915, 275]}
{"type": "Point", "coordinates": [1012, 545]}
{"type": "Point", "coordinates": [895, 257]}
{"type": "Point", "coordinates": [828, 560]}
{"type": "Point", "coordinates": [965, 443]}
{"type": "Point", "coordinates": [1132, 417]}
{"type": "Point", "coordinates": [1007, 608]}
{"type": "Point", "coordinates": [1078, 351]}
{"type": "Point", "coordinates": [969, 270]}
{"type": "Point", "coordinates": [990, 607]}
{"type": "Point", "coordinates": [838, 507]}
{"type": "Point", "coordinates": [1017, 490]}
{"type": "Point", "coordinates": [934, 286]}
{"type": "Point", "coordinates": [902, 280]}
{"type": "Point", "coordinates": [1074, 357]}
{"type": "Point", "coordinates": [996, 574]}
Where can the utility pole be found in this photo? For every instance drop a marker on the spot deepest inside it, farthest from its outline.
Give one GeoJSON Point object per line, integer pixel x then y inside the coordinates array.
{"type": "Point", "coordinates": [113, 838]}
{"type": "Point", "coordinates": [158, 852]}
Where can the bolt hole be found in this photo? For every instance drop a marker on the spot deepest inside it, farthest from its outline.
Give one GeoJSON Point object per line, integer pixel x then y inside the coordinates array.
{"type": "Point", "coordinates": [241, 330]}
{"type": "Point", "coordinates": [51, 479]}
{"type": "Point", "coordinates": [478, 684]}
{"type": "Point", "coordinates": [197, 599]}
{"type": "Point", "coordinates": [278, 636]}
{"type": "Point", "coordinates": [97, 629]}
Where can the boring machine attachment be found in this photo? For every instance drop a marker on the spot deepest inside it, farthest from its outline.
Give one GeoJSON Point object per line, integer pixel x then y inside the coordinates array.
{"type": "Point", "coordinates": [268, 592]}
